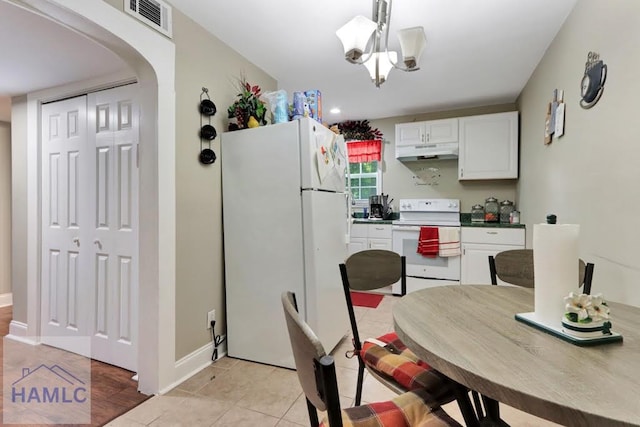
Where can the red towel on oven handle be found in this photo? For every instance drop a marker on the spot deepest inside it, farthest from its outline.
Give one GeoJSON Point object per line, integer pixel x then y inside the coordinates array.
{"type": "Point", "coordinates": [428, 242]}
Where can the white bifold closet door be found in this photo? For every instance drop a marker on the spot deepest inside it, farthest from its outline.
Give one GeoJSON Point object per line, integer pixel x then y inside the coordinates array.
{"type": "Point", "coordinates": [90, 225]}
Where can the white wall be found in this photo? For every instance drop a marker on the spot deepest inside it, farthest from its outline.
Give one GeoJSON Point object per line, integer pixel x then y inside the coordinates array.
{"type": "Point", "coordinates": [5, 109]}
{"type": "Point", "coordinates": [5, 207]}
{"type": "Point", "coordinates": [590, 176]}
{"type": "Point", "coordinates": [399, 179]}
{"type": "Point", "coordinates": [19, 194]}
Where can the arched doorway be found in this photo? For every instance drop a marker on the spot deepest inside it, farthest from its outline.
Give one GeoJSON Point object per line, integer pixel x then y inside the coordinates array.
{"type": "Point", "coordinates": [152, 57]}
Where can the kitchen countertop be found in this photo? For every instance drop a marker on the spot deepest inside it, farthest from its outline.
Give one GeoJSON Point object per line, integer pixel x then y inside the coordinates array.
{"type": "Point", "coordinates": [490, 225]}
{"type": "Point", "coordinates": [463, 224]}
{"type": "Point", "coordinates": [371, 221]}
{"type": "Point", "coordinates": [357, 218]}
{"type": "Point", "coordinates": [465, 221]}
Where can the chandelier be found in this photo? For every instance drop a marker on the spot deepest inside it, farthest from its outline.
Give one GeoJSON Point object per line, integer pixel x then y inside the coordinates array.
{"type": "Point", "coordinates": [366, 41]}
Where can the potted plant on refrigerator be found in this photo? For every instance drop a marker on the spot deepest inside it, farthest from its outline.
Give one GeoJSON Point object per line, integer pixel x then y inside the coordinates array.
{"type": "Point", "coordinates": [248, 110]}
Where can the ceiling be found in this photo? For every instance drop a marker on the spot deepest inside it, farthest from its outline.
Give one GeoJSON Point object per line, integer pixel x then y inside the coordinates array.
{"type": "Point", "coordinates": [38, 54]}
{"type": "Point", "coordinates": [479, 52]}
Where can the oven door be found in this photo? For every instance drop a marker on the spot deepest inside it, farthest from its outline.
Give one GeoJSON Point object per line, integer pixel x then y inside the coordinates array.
{"type": "Point", "coordinates": [405, 242]}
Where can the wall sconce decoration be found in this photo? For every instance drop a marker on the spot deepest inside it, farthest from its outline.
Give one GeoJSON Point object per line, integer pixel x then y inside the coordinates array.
{"type": "Point", "coordinates": [207, 132]}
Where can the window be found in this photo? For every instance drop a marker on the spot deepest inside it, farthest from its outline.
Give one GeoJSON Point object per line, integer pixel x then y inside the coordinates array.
{"type": "Point", "coordinates": [365, 181]}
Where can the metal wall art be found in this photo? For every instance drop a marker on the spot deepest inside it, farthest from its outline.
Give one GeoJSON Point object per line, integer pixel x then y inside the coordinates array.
{"type": "Point", "coordinates": [427, 176]}
{"type": "Point", "coordinates": [592, 84]}
{"type": "Point", "coordinates": [207, 132]}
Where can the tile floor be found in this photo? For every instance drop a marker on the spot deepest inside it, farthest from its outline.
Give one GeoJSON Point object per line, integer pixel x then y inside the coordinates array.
{"type": "Point", "coordinates": [234, 392]}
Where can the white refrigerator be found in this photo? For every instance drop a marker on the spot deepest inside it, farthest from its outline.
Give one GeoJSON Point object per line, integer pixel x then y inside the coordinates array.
{"type": "Point", "coordinates": [285, 217]}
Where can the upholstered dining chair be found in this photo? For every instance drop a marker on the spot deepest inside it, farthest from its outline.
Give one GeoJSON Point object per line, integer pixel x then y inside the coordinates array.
{"type": "Point", "coordinates": [386, 358]}
{"type": "Point", "coordinates": [317, 375]}
{"type": "Point", "coordinates": [516, 267]}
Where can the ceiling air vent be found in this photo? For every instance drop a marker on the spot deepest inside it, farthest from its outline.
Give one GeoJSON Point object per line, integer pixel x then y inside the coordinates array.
{"type": "Point", "coordinates": [154, 13]}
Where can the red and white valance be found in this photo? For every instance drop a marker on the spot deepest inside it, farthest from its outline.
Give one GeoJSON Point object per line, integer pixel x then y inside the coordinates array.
{"type": "Point", "coordinates": [364, 151]}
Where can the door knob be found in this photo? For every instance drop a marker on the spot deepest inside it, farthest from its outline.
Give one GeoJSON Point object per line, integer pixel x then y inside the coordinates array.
{"type": "Point", "coordinates": [98, 243]}
{"type": "Point", "coordinates": [76, 240]}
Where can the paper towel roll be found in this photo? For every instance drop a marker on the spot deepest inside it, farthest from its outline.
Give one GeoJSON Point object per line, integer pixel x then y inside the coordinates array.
{"type": "Point", "coordinates": [555, 268]}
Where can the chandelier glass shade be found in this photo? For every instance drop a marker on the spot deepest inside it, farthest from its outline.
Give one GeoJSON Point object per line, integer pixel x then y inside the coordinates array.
{"type": "Point", "coordinates": [365, 41]}
{"type": "Point", "coordinates": [379, 65]}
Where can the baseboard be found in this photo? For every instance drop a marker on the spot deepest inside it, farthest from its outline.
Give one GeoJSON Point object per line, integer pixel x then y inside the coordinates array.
{"type": "Point", "coordinates": [6, 299]}
{"type": "Point", "coordinates": [18, 332]}
{"type": "Point", "coordinates": [193, 363]}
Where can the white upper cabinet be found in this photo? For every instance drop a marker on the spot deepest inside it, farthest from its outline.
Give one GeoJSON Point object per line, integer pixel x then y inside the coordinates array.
{"type": "Point", "coordinates": [429, 132]}
{"type": "Point", "coordinates": [410, 134]}
{"type": "Point", "coordinates": [488, 146]}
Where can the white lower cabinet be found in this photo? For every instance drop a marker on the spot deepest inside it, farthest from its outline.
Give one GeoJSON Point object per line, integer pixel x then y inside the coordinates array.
{"type": "Point", "coordinates": [357, 244]}
{"type": "Point", "coordinates": [370, 236]}
{"type": "Point", "coordinates": [380, 244]}
{"type": "Point", "coordinates": [478, 243]}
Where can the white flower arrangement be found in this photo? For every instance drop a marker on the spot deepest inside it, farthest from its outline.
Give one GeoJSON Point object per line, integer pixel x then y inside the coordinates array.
{"type": "Point", "coordinates": [583, 308]}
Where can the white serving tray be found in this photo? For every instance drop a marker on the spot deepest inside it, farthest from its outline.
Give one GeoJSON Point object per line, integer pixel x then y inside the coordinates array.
{"type": "Point", "coordinates": [530, 319]}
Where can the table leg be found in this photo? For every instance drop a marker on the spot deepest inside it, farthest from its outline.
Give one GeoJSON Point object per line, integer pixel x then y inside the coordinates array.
{"type": "Point", "coordinates": [466, 408]}
{"type": "Point", "coordinates": [492, 419]}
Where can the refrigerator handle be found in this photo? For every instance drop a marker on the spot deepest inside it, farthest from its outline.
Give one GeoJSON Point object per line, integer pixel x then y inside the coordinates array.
{"type": "Point", "coordinates": [349, 194]}
{"type": "Point", "coordinates": [347, 237]}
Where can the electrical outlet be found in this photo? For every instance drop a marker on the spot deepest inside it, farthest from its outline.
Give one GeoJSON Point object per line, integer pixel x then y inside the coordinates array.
{"type": "Point", "coordinates": [211, 316]}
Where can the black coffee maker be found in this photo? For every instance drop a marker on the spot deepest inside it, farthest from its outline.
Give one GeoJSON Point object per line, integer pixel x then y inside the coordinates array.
{"type": "Point", "coordinates": [375, 207]}
{"type": "Point", "coordinates": [379, 206]}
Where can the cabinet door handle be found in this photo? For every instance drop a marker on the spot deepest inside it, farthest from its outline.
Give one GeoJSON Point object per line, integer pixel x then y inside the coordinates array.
{"type": "Point", "coordinates": [422, 137]}
{"type": "Point", "coordinates": [379, 228]}
{"type": "Point", "coordinates": [492, 232]}
{"type": "Point", "coordinates": [462, 172]}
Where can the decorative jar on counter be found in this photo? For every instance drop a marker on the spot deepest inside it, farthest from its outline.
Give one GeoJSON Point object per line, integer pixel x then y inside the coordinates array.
{"type": "Point", "coordinates": [515, 217]}
{"type": "Point", "coordinates": [491, 210]}
{"type": "Point", "coordinates": [506, 207]}
{"type": "Point", "coordinates": [477, 213]}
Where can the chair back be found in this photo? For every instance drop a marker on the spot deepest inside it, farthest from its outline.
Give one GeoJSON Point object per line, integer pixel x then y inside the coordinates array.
{"type": "Point", "coordinates": [316, 370]}
{"type": "Point", "coordinates": [582, 270]}
{"type": "Point", "coordinates": [516, 267]}
{"type": "Point", "coordinates": [306, 349]}
{"type": "Point", "coordinates": [588, 277]}
{"type": "Point", "coordinates": [373, 269]}
{"type": "Point", "coordinates": [366, 271]}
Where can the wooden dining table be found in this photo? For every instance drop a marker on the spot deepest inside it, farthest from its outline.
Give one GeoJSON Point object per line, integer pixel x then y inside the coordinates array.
{"type": "Point", "coordinates": [469, 333]}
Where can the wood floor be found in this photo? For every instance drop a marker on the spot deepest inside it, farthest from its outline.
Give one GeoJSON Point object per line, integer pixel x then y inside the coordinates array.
{"type": "Point", "coordinates": [113, 392]}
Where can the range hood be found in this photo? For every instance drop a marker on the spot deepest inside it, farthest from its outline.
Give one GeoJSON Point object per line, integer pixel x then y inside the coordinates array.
{"type": "Point", "coordinates": [442, 151]}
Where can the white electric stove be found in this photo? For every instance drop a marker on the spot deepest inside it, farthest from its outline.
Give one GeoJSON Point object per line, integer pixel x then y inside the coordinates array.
{"type": "Point", "coordinates": [425, 272]}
